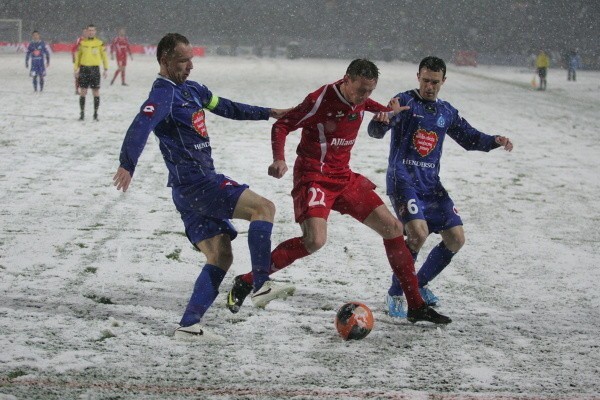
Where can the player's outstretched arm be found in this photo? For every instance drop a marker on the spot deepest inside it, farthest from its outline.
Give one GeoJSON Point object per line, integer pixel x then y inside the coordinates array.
{"type": "Point", "coordinates": [278, 168]}
{"type": "Point", "coordinates": [504, 142]}
{"type": "Point", "coordinates": [122, 179]}
{"type": "Point", "coordinates": [278, 112]}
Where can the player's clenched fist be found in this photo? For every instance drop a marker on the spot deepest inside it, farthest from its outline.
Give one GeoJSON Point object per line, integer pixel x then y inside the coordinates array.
{"type": "Point", "coordinates": [278, 169]}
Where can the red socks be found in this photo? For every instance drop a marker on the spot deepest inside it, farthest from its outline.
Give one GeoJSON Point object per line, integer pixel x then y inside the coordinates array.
{"type": "Point", "coordinates": [403, 265]}
{"type": "Point", "coordinates": [282, 256]}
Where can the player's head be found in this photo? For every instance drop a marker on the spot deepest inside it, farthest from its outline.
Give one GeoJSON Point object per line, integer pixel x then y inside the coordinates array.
{"type": "Point", "coordinates": [122, 32]}
{"type": "Point", "coordinates": [431, 77]}
{"type": "Point", "coordinates": [35, 35]}
{"type": "Point", "coordinates": [360, 80]}
{"type": "Point", "coordinates": [91, 31]}
{"type": "Point", "coordinates": [174, 54]}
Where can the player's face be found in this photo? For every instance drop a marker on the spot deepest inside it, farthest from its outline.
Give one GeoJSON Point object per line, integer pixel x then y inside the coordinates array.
{"type": "Point", "coordinates": [358, 90]}
{"type": "Point", "coordinates": [178, 66]}
{"type": "Point", "coordinates": [430, 83]}
{"type": "Point", "coordinates": [36, 37]}
{"type": "Point", "coordinates": [91, 32]}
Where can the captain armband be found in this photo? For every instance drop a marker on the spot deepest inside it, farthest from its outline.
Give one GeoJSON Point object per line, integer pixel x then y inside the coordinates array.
{"type": "Point", "coordinates": [213, 103]}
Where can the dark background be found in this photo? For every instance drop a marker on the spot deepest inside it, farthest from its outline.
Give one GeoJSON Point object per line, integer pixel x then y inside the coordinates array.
{"type": "Point", "coordinates": [501, 31]}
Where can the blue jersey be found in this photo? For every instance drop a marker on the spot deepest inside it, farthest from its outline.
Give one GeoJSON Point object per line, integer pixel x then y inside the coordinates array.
{"type": "Point", "coordinates": [417, 138]}
{"type": "Point", "coordinates": [176, 114]}
{"type": "Point", "coordinates": [37, 51]}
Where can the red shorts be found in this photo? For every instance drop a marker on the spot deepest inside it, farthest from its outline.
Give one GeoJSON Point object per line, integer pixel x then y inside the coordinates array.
{"type": "Point", "coordinates": [315, 195]}
{"type": "Point", "coordinates": [122, 60]}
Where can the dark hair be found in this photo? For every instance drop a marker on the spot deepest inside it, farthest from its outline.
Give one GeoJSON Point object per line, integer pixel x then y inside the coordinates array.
{"type": "Point", "coordinates": [167, 44]}
{"type": "Point", "coordinates": [34, 32]}
{"type": "Point", "coordinates": [433, 64]}
{"type": "Point", "coordinates": [90, 26]}
{"type": "Point", "coordinates": [362, 68]}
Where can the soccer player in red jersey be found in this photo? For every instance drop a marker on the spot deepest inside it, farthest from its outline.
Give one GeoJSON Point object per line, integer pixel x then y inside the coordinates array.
{"type": "Point", "coordinates": [330, 119]}
{"type": "Point", "coordinates": [74, 51]}
{"type": "Point", "coordinates": [120, 47]}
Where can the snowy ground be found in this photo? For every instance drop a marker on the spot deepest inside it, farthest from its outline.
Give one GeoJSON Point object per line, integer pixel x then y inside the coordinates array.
{"type": "Point", "coordinates": [94, 281]}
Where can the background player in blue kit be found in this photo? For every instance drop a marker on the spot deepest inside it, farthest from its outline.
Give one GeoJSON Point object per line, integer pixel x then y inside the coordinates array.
{"type": "Point", "coordinates": [40, 59]}
{"type": "Point", "coordinates": [206, 200]}
{"type": "Point", "coordinates": [419, 124]}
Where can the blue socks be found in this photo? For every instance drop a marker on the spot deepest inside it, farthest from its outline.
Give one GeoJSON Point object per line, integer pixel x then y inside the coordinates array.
{"type": "Point", "coordinates": [259, 242]}
{"type": "Point", "coordinates": [437, 260]}
{"type": "Point", "coordinates": [205, 291]}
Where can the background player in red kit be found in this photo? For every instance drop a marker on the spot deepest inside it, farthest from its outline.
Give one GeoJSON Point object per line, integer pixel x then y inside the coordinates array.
{"type": "Point", "coordinates": [330, 119]}
{"type": "Point", "coordinates": [74, 52]}
{"type": "Point", "coordinates": [120, 47]}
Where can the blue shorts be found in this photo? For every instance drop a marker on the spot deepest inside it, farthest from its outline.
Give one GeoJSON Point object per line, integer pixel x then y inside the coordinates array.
{"type": "Point", "coordinates": [437, 208]}
{"type": "Point", "coordinates": [37, 69]}
{"type": "Point", "coordinates": [206, 207]}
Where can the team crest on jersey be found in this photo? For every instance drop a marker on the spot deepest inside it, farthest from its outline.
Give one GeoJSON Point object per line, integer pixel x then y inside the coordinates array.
{"type": "Point", "coordinates": [352, 117]}
{"type": "Point", "coordinates": [198, 123]}
{"type": "Point", "coordinates": [441, 121]}
{"type": "Point", "coordinates": [424, 141]}
{"type": "Point", "coordinates": [149, 109]}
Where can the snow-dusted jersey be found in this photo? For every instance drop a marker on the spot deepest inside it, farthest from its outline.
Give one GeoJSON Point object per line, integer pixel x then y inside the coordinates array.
{"type": "Point", "coordinates": [176, 113]}
{"type": "Point", "coordinates": [36, 51]}
{"type": "Point", "coordinates": [329, 129]}
{"type": "Point", "coordinates": [120, 47]}
{"type": "Point", "coordinates": [417, 138]}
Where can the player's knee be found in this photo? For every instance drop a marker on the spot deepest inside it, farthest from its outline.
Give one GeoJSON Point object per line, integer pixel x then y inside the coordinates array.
{"type": "Point", "coordinates": [455, 243]}
{"type": "Point", "coordinates": [266, 210]}
{"type": "Point", "coordinates": [314, 243]}
{"type": "Point", "coordinates": [223, 259]}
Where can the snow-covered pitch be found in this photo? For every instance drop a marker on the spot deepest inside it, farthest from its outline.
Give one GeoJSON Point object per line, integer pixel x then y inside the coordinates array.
{"type": "Point", "coordinates": [94, 281]}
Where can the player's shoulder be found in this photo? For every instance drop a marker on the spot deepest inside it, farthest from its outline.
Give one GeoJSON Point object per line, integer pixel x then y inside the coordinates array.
{"type": "Point", "coordinates": [446, 105]}
{"type": "Point", "coordinates": [197, 85]}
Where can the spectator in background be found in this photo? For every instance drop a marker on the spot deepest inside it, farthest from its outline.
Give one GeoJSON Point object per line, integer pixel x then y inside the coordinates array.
{"type": "Point", "coordinates": [573, 64]}
{"type": "Point", "coordinates": [542, 63]}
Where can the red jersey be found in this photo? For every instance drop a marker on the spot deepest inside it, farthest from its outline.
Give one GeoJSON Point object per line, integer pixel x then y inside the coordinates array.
{"type": "Point", "coordinates": [329, 129]}
{"type": "Point", "coordinates": [76, 45]}
{"type": "Point", "coordinates": [120, 46]}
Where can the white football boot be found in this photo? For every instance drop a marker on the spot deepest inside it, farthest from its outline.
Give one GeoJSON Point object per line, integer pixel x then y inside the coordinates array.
{"type": "Point", "coordinates": [198, 333]}
{"type": "Point", "coordinates": [271, 291]}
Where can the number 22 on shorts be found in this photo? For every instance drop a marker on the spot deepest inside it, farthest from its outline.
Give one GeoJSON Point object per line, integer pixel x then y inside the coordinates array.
{"type": "Point", "coordinates": [316, 197]}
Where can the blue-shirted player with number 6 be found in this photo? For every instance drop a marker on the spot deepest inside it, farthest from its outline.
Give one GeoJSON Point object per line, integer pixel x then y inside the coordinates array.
{"type": "Point", "coordinates": [420, 122]}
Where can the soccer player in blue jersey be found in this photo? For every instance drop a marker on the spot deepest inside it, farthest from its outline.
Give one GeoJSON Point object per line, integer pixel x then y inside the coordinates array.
{"type": "Point", "coordinates": [420, 122]}
{"type": "Point", "coordinates": [207, 200]}
{"type": "Point", "coordinates": [40, 60]}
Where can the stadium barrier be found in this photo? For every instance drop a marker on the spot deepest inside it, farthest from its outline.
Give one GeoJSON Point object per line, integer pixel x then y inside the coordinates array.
{"type": "Point", "coordinates": [463, 57]}
{"type": "Point", "coordinates": [199, 51]}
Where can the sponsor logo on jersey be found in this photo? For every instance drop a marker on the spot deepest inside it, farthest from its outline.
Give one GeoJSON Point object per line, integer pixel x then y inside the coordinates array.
{"type": "Point", "coordinates": [418, 163]}
{"type": "Point", "coordinates": [441, 121]}
{"type": "Point", "coordinates": [352, 116]}
{"type": "Point", "coordinates": [200, 146]}
{"type": "Point", "coordinates": [424, 141]}
{"type": "Point", "coordinates": [342, 142]}
{"type": "Point", "coordinates": [149, 109]}
{"type": "Point", "coordinates": [198, 123]}
{"type": "Point", "coordinates": [339, 114]}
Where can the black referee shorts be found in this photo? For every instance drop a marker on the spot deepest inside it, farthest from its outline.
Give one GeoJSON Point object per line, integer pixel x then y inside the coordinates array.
{"type": "Point", "coordinates": [89, 77]}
